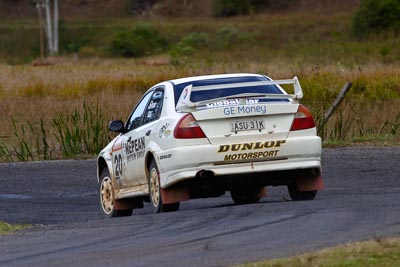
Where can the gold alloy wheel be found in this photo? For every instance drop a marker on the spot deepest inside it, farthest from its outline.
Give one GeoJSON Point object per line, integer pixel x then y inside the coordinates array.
{"type": "Point", "coordinates": [154, 187]}
{"type": "Point", "coordinates": [106, 195]}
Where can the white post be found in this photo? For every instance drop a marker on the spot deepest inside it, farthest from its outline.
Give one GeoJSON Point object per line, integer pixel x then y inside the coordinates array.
{"type": "Point", "coordinates": [39, 7]}
{"type": "Point", "coordinates": [48, 28]}
{"type": "Point", "coordinates": [55, 26]}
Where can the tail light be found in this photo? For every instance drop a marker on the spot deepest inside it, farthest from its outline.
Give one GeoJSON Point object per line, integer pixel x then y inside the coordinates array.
{"type": "Point", "coordinates": [188, 127]}
{"type": "Point", "coordinates": [303, 119]}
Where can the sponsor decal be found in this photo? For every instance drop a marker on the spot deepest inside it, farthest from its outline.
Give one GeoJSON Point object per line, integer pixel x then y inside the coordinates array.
{"type": "Point", "coordinates": [184, 96]}
{"type": "Point", "coordinates": [185, 93]}
{"type": "Point", "coordinates": [239, 110]}
{"type": "Point", "coordinates": [164, 131]}
{"type": "Point", "coordinates": [250, 146]}
{"type": "Point", "coordinates": [251, 155]}
{"type": "Point", "coordinates": [134, 149]}
{"type": "Point", "coordinates": [167, 133]}
{"type": "Point", "coordinates": [166, 156]}
{"type": "Point", "coordinates": [117, 166]}
{"type": "Point", "coordinates": [230, 102]}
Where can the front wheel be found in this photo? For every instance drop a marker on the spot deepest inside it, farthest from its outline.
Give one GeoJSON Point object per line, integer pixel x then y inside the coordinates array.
{"type": "Point", "coordinates": [297, 195]}
{"type": "Point", "coordinates": [155, 192]}
{"type": "Point", "coordinates": [106, 197]}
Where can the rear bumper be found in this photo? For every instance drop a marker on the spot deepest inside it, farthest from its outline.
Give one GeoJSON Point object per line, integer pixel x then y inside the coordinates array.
{"type": "Point", "coordinates": [185, 162]}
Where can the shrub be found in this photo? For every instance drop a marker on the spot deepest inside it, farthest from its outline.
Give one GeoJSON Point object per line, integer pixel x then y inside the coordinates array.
{"type": "Point", "coordinates": [226, 36]}
{"type": "Point", "coordinates": [143, 40]}
{"type": "Point", "coordinates": [141, 7]}
{"type": "Point", "coordinates": [227, 8]}
{"type": "Point", "coordinates": [376, 15]}
{"type": "Point", "coordinates": [273, 4]}
{"type": "Point", "coordinates": [188, 44]}
{"type": "Point", "coordinates": [229, 36]}
{"type": "Point", "coordinates": [195, 39]}
{"type": "Point", "coordinates": [187, 47]}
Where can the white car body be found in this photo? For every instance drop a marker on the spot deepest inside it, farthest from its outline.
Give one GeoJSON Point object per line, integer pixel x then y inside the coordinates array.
{"type": "Point", "coordinates": [227, 157]}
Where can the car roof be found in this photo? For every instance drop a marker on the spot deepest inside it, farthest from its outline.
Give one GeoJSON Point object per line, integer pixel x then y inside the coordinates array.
{"type": "Point", "coordinates": [211, 77]}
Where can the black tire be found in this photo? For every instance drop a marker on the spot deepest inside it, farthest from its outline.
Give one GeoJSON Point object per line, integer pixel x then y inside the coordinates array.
{"type": "Point", "coordinates": [155, 192]}
{"type": "Point", "coordinates": [245, 197]}
{"type": "Point", "coordinates": [106, 197]}
{"type": "Point", "coordinates": [297, 195]}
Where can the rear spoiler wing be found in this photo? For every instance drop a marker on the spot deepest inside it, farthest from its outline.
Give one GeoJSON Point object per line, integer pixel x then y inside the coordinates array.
{"type": "Point", "coordinates": [184, 102]}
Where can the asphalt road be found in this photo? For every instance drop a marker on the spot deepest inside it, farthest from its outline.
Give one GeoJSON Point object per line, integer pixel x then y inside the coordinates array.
{"type": "Point", "coordinates": [361, 201]}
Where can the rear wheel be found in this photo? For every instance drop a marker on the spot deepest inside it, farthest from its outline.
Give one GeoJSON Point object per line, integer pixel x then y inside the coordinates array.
{"type": "Point", "coordinates": [106, 197]}
{"type": "Point", "coordinates": [240, 197]}
{"type": "Point", "coordinates": [297, 195]}
{"type": "Point", "coordinates": [155, 192]}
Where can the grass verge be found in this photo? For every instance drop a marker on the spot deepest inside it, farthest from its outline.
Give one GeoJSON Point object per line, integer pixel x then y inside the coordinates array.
{"type": "Point", "coordinates": [59, 107]}
{"type": "Point", "coordinates": [66, 107]}
{"type": "Point", "coordinates": [6, 228]}
{"type": "Point", "coordinates": [378, 252]}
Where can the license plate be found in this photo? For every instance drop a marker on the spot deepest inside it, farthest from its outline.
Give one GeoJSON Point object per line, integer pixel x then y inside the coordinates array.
{"type": "Point", "coordinates": [247, 125]}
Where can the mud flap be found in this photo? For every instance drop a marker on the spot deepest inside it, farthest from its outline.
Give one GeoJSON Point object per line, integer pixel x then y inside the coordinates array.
{"type": "Point", "coordinates": [310, 184]}
{"type": "Point", "coordinates": [128, 204]}
{"type": "Point", "coordinates": [263, 192]}
{"type": "Point", "coordinates": [174, 194]}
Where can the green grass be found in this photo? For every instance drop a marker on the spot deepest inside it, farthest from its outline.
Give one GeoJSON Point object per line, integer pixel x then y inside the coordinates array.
{"type": "Point", "coordinates": [81, 133]}
{"type": "Point", "coordinates": [379, 252]}
{"type": "Point", "coordinates": [6, 228]}
{"type": "Point", "coordinates": [76, 134]}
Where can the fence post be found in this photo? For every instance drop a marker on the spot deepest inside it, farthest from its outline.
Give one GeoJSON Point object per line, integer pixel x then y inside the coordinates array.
{"type": "Point", "coordinates": [336, 103]}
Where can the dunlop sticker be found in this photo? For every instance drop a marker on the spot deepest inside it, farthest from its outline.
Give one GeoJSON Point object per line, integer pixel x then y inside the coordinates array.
{"type": "Point", "coordinates": [251, 146]}
{"type": "Point", "coordinates": [166, 156]}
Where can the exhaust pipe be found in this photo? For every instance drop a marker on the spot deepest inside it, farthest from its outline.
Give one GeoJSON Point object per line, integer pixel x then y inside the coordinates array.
{"type": "Point", "coordinates": [204, 174]}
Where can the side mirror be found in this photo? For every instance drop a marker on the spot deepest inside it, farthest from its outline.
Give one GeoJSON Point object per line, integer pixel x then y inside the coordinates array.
{"type": "Point", "coordinates": [116, 126]}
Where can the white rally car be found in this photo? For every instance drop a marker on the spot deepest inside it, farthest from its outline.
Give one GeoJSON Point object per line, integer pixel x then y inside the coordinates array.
{"type": "Point", "coordinates": [201, 136]}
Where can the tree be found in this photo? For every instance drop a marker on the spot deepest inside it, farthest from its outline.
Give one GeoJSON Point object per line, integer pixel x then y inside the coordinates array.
{"type": "Point", "coordinates": [376, 15]}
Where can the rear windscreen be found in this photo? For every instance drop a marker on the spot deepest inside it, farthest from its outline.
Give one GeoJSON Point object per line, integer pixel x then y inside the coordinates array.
{"type": "Point", "coordinates": [202, 95]}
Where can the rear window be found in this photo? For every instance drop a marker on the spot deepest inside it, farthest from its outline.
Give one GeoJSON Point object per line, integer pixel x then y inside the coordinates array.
{"type": "Point", "coordinates": [217, 93]}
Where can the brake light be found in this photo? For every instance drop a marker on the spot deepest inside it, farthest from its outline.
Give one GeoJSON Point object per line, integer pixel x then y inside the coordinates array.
{"type": "Point", "coordinates": [188, 127]}
{"type": "Point", "coordinates": [303, 119]}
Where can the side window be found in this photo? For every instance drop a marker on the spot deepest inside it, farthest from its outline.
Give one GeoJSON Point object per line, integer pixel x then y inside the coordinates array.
{"type": "Point", "coordinates": [136, 118]}
{"type": "Point", "coordinates": [153, 111]}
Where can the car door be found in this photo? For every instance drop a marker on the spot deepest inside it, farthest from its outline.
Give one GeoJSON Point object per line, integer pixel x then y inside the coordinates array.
{"type": "Point", "coordinates": [149, 128]}
{"type": "Point", "coordinates": [133, 144]}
